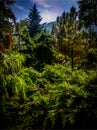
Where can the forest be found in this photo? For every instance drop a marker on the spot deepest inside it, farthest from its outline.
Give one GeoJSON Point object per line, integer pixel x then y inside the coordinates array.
{"type": "Point", "coordinates": [48, 79]}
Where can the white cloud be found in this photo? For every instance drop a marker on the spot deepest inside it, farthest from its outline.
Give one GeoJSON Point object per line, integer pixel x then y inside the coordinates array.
{"type": "Point", "coordinates": [48, 16]}
{"type": "Point", "coordinates": [43, 3]}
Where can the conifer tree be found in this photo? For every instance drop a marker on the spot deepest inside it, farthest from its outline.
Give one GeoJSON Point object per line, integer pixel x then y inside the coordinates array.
{"type": "Point", "coordinates": [88, 12]}
{"type": "Point", "coordinates": [34, 21]}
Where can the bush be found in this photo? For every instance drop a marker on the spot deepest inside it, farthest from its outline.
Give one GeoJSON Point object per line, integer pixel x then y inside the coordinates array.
{"type": "Point", "coordinates": [58, 97]}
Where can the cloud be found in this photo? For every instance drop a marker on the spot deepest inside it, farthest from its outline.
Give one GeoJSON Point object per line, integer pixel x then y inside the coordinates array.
{"type": "Point", "coordinates": [49, 9]}
{"type": "Point", "coordinates": [20, 11]}
{"type": "Point", "coordinates": [20, 7]}
{"type": "Point", "coordinates": [43, 3]}
{"type": "Point", "coordinates": [48, 16]}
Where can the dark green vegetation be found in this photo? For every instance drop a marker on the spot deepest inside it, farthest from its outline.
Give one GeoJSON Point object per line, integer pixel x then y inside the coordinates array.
{"type": "Point", "coordinates": [34, 22]}
{"type": "Point", "coordinates": [48, 80]}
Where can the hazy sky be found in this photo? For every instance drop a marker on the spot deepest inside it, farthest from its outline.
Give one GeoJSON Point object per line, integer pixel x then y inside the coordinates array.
{"type": "Point", "coordinates": [49, 9]}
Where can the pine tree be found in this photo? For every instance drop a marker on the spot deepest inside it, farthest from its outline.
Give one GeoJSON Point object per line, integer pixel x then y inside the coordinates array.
{"type": "Point", "coordinates": [68, 37]}
{"type": "Point", "coordinates": [88, 12]}
{"type": "Point", "coordinates": [88, 18]}
{"type": "Point", "coordinates": [34, 21]}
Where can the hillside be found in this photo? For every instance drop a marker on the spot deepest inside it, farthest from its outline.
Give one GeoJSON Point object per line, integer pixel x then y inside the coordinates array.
{"type": "Point", "coordinates": [48, 26]}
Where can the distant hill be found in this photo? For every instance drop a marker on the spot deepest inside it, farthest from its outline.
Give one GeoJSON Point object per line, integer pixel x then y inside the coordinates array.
{"type": "Point", "coordinates": [48, 26]}
{"type": "Point", "coordinates": [95, 28]}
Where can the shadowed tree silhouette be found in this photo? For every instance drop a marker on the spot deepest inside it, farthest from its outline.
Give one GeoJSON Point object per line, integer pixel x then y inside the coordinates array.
{"type": "Point", "coordinates": [7, 20]}
{"type": "Point", "coordinates": [34, 21]}
{"type": "Point", "coordinates": [88, 12]}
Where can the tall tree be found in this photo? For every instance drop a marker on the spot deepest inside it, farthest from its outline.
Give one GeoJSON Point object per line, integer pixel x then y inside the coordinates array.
{"type": "Point", "coordinates": [7, 18]}
{"type": "Point", "coordinates": [6, 15]}
{"type": "Point", "coordinates": [68, 37]}
{"type": "Point", "coordinates": [88, 12]}
{"type": "Point", "coordinates": [34, 21]}
{"type": "Point", "coordinates": [88, 18]}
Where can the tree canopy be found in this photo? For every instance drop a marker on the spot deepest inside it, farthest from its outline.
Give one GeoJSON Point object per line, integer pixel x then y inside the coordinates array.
{"type": "Point", "coordinates": [7, 21]}
{"type": "Point", "coordinates": [88, 12]}
{"type": "Point", "coordinates": [6, 15]}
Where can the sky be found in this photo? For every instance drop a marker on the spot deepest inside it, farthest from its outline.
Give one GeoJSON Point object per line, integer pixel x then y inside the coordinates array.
{"type": "Point", "coordinates": [49, 9]}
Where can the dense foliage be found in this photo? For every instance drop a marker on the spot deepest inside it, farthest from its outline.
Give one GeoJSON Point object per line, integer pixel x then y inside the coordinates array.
{"type": "Point", "coordinates": [49, 80]}
{"type": "Point", "coordinates": [87, 12]}
{"type": "Point", "coordinates": [7, 20]}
